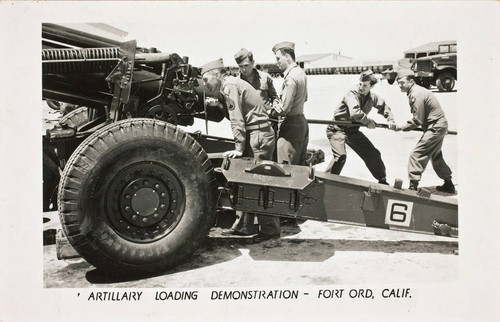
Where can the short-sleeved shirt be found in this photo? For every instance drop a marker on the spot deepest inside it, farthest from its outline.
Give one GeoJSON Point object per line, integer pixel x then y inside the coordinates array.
{"type": "Point", "coordinates": [263, 83]}
{"type": "Point", "coordinates": [294, 93]}
{"type": "Point", "coordinates": [426, 110]}
{"type": "Point", "coordinates": [356, 107]}
{"type": "Point", "coordinates": [245, 108]}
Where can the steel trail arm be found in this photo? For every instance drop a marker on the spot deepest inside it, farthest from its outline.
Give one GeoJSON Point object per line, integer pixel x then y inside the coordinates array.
{"type": "Point", "coordinates": [298, 192]}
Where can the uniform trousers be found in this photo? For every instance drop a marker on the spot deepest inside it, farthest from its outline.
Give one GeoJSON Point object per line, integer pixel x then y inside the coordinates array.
{"type": "Point", "coordinates": [429, 148]}
{"type": "Point", "coordinates": [356, 140]}
{"type": "Point", "coordinates": [259, 144]}
{"type": "Point", "coordinates": [293, 137]}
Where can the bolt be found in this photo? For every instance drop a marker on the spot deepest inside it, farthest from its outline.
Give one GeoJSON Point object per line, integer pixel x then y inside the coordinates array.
{"type": "Point", "coordinates": [134, 217]}
{"type": "Point", "coordinates": [144, 219]}
{"type": "Point", "coordinates": [162, 206]}
{"type": "Point", "coordinates": [155, 215]}
{"type": "Point", "coordinates": [146, 182]}
{"type": "Point", "coordinates": [127, 197]}
{"type": "Point", "coordinates": [157, 186]}
{"type": "Point", "coordinates": [128, 227]}
{"type": "Point", "coordinates": [127, 208]}
{"type": "Point", "coordinates": [163, 194]}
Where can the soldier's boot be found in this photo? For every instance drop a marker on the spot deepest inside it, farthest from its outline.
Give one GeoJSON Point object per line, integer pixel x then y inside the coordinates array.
{"type": "Point", "coordinates": [447, 187]}
{"type": "Point", "coordinates": [413, 185]}
{"type": "Point", "coordinates": [383, 181]}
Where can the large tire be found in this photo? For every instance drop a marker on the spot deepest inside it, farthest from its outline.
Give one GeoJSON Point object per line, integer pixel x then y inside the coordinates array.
{"type": "Point", "coordinates": [76, 118]}
{"type": "Point", "coordinates": [51, 162]}
{"type": "Point", "coordinates": [445, 82]}
{"type": "Point", "coordinates": [138, 195]}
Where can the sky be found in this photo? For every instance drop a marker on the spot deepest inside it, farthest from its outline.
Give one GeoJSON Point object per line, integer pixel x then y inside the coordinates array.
{"type": "Point", "coordinates": [363, 31]}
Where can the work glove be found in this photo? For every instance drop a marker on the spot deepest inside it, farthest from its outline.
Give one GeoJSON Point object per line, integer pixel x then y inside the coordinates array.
{"type": "Point", "coordinates": [233, 154]}
{"type": "Point", "coordinates": [370, 123]}
{"type": "Point", "coordinates": [393, 126]}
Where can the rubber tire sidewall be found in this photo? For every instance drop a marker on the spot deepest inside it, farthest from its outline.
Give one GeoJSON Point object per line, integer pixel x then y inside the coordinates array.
{"type": "Point", "coordinates": [439, 82]}
{"type": "Point", "coordinates": [86, 223]}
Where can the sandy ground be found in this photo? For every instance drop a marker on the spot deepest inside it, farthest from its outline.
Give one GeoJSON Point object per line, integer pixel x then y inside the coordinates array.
{"type": "Point", "coordinates": [314, 253]}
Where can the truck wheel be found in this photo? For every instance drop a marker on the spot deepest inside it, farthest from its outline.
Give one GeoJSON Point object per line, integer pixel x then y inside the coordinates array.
{"type": "Point", "coordinates": [138, 195]}
{"type": "Point", "coordinates": [76, 117]}
{"type": "Point", "coordinates": [445, 82]}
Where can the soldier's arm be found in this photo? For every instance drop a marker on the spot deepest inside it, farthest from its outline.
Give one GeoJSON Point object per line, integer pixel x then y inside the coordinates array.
{"type": "Point", "coordinates": [383, 109]}
{"type": "Point", "coordinates": [418, 111]}
{"type": "Point", "coordinates": [355, 111]}
{"type": "Point", "coordinates": [233, 102]}
{"type": "Point", "coordinates": [289, 90]}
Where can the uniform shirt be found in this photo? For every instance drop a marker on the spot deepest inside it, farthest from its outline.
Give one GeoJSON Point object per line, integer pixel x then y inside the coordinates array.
{"type": "Point", "coordinates": [425, 108]}
{"type": "Point", "coordinates": [245, 108]}
{"type": "Point", "coordinates": [355, 107]}
{"type": "Point", "coordinates": [294, 93]}
{"type": "Point", "coordinates": [263, 83]}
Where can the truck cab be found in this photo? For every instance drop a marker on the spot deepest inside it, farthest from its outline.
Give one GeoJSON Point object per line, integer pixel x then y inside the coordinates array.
{"type": "Point", "coordinates": [439, 70]}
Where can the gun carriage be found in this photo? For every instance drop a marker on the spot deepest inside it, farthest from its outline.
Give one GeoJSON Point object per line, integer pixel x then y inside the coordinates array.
{"type": "Point", "coordinates": [138, 193]}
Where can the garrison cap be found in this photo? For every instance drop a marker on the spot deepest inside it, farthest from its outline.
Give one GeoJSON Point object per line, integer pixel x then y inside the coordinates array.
{"type": "Point", "coordinates": [284, 44]}
{"type": "Point", "coordinates": [405, 72]}
{"type": "Point", "coordinates": [242, 55]}
{"type": "Point", "coordinates": [367, 76]}
{"type": "Point", "coordinates": [212, 65]}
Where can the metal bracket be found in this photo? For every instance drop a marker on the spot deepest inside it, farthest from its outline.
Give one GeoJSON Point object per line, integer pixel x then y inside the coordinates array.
{"type": "Point", "coordinates": [371, 198]}
{"type": "Point", "coordinates": [268, 168]}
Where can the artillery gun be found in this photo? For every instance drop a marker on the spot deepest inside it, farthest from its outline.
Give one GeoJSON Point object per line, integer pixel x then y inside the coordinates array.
{"type": "Point", "coordinates": [137, 193]}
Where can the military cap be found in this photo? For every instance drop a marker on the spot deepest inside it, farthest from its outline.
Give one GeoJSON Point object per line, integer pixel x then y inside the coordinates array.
{"type": "Point", "coordinates": [212, 65]}
{"type": "Point", "coordinates": [242, 55]}
{"type": "Point", "coordinates": [405, 72]}
{"type": "Point", "coordinates": [284, 44]}
{"type": "Point", "coordinates": [367, 76]}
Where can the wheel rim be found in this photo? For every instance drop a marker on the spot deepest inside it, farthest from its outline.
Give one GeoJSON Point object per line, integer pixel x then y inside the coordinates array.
{"type": "Point", "coordinates": [447, 83]}
{"type": "Point", "coordinates": [144, 202]}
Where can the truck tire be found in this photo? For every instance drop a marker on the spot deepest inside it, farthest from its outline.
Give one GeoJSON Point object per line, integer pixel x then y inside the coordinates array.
{"type": "Point", "coordinates": [76, 117]}
{"type": "Point", "coordinates": [137, 196]}
{"type": "Point", "coordinates": [445, 82]}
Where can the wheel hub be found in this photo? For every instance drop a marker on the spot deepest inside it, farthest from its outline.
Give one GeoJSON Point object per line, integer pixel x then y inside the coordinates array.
{"type": "Point", "coordinates": [144, 201]}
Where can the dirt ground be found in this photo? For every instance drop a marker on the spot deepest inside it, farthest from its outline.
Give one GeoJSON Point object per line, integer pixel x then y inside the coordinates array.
{"type": "Point", "coordinates": [314, 253]}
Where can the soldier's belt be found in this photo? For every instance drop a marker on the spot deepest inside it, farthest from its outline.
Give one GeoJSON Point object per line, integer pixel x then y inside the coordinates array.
{"type": "Point", "coordinates": [257, 126]}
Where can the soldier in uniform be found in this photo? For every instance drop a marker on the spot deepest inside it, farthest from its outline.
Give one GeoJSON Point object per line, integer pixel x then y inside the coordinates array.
{"type": "Point", "coordinates": [355, 106]}
{"type": "Point", "coordinates": [428, 114]}
{"type": "Point", "coordinates": [293, 130]}
{"type": "Point", "coordinates": [253, 136]}
{"type": "Point", "coordinates": [260, 80]}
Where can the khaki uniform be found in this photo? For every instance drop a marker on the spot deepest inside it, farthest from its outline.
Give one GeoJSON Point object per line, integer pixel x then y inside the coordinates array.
{"type": "Point", "coordinates": [254, 137]}
{"type": "Point", "coordinates": [355, 107]}
{"type": "Point", "coordinates": [263, 83]}
{"type": "Point", "coordinates": [428, 114]}
{"type": "Point", "coordinates": [293, 130]}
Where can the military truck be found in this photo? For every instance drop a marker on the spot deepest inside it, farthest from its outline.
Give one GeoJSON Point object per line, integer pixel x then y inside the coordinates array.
{"type": "Point", "coordinates": [439, 70]}
{"type": "Point", "coordinates": [138, 194]}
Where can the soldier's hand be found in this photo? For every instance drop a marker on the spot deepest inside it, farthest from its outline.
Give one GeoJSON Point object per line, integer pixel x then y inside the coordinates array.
{"type": "Point", "coordinates": [233, 154]}
{"type": "Point", "coordinates": [393, 126]}
{"type": "Point", "coordinates": [371, 123]}
{"type": "Point", "coordinates": [273, 114]}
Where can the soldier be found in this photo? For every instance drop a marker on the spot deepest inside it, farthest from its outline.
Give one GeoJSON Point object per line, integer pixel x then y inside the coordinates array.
{"type": "Point", "coordinates": [253, 136]}
{"type": "Point", "coordinates": [293, 130]}
{"type": "Point", "coordinates": [355, 106]}
{"type": "Point", "coordinates": [428, 114]}
{"type": "Point", "coordinates": [260, 80]}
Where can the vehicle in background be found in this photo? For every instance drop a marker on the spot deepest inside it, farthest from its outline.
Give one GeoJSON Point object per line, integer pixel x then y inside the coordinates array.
{"type": "Point", "coordinates": [439, 69]}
